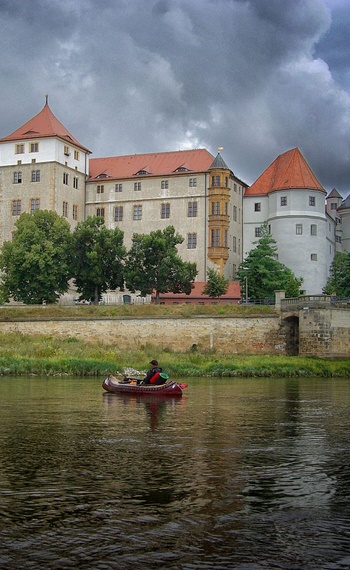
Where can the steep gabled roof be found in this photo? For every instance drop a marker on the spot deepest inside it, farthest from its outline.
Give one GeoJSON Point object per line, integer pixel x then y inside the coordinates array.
{"type": "Point", "coordinates": [334, 194]}
{"type": "Point", "coordinates": [158, 164]}
{"type": "Point", "coordinates": [43, 125]}
{"type": "Point", "coordinates": [345, 205]}
{"type": "Point", "coordinates": [289, 170]}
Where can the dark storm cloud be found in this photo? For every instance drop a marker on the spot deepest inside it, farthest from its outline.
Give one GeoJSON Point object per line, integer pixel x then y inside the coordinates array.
{"type": "Point", "coordinates": [125, 76]}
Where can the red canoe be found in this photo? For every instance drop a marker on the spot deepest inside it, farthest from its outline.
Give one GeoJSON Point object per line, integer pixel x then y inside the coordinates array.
{"type": "Point", "coordinates": [112, 384]}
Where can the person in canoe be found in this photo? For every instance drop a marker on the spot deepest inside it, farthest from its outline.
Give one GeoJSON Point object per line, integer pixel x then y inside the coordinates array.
{"type": "Point", "coordinates": [153, 376]}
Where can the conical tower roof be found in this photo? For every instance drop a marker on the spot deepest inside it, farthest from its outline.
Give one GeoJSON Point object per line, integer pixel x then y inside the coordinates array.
{"type": "Point", "coordinates": [45, 124]}
{"type": "Point", "coordinates": [219, 162]}
{"type": "Point", "coordinates": [290, 170]}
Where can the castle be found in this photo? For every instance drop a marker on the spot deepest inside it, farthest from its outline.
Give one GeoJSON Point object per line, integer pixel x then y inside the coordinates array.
{"type": "Point", "coordinates": [42, 165]}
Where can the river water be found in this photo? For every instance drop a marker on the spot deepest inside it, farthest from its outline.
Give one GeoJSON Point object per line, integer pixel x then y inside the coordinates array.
{"type": "Point", "coordinates": [238, 474]}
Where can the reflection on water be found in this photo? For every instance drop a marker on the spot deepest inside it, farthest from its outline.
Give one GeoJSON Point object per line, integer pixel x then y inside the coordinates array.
{"type": "Point", "coordinates": [243, 474]}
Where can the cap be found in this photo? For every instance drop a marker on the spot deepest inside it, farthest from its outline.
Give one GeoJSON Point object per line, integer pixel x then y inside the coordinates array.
{"type": "Point", "coordinates": [154, 362]}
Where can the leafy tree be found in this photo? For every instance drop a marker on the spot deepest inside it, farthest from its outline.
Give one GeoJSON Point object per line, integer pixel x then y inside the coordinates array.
{"type": "Point", "coordinates": [264, 273]}
{"type": "Point", "coordinates": [153, 264]}
{"type": "Point", "coordinates": [216, 285]}
{"type": "Point", "coordinates": [98, 258]}
{"type": "Point", "coordinates": [36, 264]}
{"type": "Point", "coordinates": [338, 281]}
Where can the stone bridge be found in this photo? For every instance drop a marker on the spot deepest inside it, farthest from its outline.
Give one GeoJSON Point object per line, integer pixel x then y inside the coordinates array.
{"type": "Point", "coordinates": [315, 325]}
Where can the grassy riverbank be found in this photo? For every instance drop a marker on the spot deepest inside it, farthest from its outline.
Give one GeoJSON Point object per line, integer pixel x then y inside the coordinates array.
{"type": "Point", "coordinates": [47, 355]}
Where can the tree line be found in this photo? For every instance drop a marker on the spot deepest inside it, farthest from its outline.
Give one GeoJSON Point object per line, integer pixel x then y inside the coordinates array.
{"type": "Point", "coordinates": [45, 255]}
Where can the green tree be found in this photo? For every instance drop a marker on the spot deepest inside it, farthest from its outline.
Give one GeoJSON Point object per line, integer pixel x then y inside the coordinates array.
{"type": "Point", "coordinates": [98, 258]}
{"type": "Point", "coordinates": [338, 281]}
{"type": "Point", "coordinates": [263, 273]}
{"type": "Point", "coordinates": [36, 264]}
{"type": "Point", "coordinates": [216, 285]}
{"type": "Point", "coordinates": [153, 264]}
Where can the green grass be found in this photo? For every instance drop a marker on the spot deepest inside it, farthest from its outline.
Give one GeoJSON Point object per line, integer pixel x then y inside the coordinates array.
{"type": "Point", "coordinates": [47, 355]}
{"type": "Point", "coordinates": [182, 310]}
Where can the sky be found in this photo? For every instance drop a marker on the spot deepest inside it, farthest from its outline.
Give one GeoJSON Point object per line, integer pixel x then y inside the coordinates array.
{"type": "Point", "coordinates": [256, 77]}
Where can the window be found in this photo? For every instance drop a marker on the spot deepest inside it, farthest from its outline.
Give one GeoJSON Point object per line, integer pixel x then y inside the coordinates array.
{"type": "Point", "coordinates": [283, 200]}
{"type": "Point", "coordinates": [226, 181]}
{"type": "Point", "coordinates": [192, 209]}
{"type": "Point", "coordinates": [65, 209]}
{"type": "Point", "coordinates": [75, 212]}
{"type": "Point", "coordinates": [235, 187]}
{"type": "Point", "coordinates": [17, 177]}
{"type": "Point", "coordinates": [314, 257]}
{"type": "Point", "coordinates": [258, 232]}
{"type": "Point", "coordinates": [137, 186]}
{"type": "Point", "coordinates": [312, 201]}
{"type": "Point", "coordinates": [35, 176]}
{"type": "Point", "coordinates": [165, 211]}
{"type": "Point", "coordinates": [16, 207]}
{"type": "Point", "coordinates": [19, 149]}
{"type": "Point", "coordinates": [234, 244]}
{"type": "Point", "coordinates": [333, 205]}
{"type": "Point", "coordinates": [257, 207]}
{"type": "Point", "coordinates": [235, 213]}
{"type": "Point", "coordinates": [118, 214]}
{"type": "Point", "coordinates": [225, 238]}
{"type": "Point", "coordinates": [215, 180]}
{"type": "Point", "coordinates": [100, 188]}
{"type": "Point", "coordinates": [66, 150]}
{"type": "Point", "coordinates": [313, 230]}
{"type": "Point", "coordinates": [33, 147]}
{"type": "Point", "coordinates": [226, 208]}
{"type": "Point", "coordinates": [299, 229]}
{"type": "Point", "coordinates": [164, 184]}
{"type": "Point", "coordinates": [34, 205]}
{"type": "Point", "coordinates": [215, 238]}
{"type": "Point", "coordinates": [137, 212]}
{"type": "Point", "coordinates": [75, 182]}
{"type": "Point", "coordinates": [65, 178]}
{"type": "Point", "coordinates": [215, 208]}
{"type": "Point", "coordinates": [191, 241]}
{"type": "Point", "coordinates": [100, 212]}
{"type": "Point", "coordinates": [119, 187]}
{"type": "Point", "coordinates": [76, 155]}
{"type": "Point", "coordinates": [193, 182]}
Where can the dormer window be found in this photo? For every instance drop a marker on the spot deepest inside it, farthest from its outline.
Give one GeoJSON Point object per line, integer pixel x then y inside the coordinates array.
{"type": "Point", "coordinates": [34, 147]}
{"type": "Point", "coordinates": [181, 169]}
{"type": "Point", "coordinates": [66, 150]}
{"type": "Point", "coordinates": [141, 172]}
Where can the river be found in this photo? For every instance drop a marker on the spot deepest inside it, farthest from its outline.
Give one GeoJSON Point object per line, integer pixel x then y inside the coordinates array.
{"type": "Point", "coordinates": [242, 474]}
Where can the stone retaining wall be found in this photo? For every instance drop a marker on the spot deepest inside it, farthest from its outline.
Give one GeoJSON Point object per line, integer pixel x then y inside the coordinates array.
{"type": "Point", "coordinates": [236, 335]}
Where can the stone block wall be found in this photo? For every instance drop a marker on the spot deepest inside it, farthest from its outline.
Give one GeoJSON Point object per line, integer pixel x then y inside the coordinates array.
{"type": "Point", "coordinates": [324, 332]}
{"type": "Point", "coordinates": [235, 335]}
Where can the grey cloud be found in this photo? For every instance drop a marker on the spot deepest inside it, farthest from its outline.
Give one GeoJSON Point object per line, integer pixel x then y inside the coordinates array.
{"type": "Point", "coordinates": [255, 76]}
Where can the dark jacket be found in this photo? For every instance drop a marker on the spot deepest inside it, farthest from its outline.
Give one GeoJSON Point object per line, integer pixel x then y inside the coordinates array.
{"type": "Point", "coordinates": [150, 374]}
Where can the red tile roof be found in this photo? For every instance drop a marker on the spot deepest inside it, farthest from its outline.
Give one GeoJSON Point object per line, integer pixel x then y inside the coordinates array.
{"type": "Point", "coordinates": [156, 164]}
{"type": "Point", "coordinates": [289, 170]}
{"type": "Point", "coordinates": [233, 291]}
{"type": "Point", "coordinates": [44, 124]}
